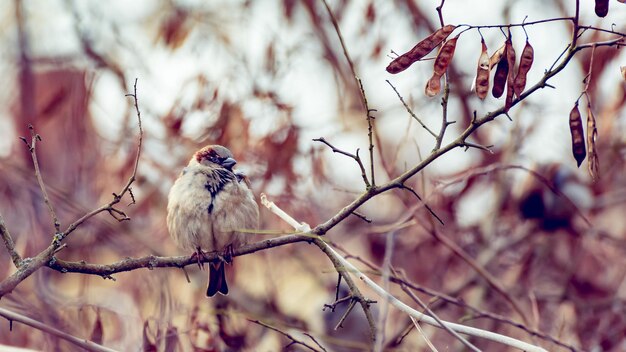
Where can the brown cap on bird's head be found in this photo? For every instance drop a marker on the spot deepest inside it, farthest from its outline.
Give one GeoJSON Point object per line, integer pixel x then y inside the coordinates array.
{"type": "Point", "coordinates": [215, 154]}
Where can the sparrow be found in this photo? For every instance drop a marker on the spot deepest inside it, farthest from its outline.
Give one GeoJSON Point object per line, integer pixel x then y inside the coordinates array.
{"type": "Point", "coordinates": [211, 208]}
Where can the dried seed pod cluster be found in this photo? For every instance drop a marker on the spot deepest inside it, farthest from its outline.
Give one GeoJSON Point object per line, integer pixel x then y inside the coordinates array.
{"type": "Point", "coordinates": [503, 59]}
{"type": "Point", "coordinates": [442, 61]}
{"type": "Point", "coordinates": [578, 137]}
{"type": "Point", "coordinates": [420, 50]}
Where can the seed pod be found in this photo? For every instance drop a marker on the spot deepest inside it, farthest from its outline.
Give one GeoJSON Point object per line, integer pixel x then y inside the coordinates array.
{"type": "Point", "coordinates": [482, 73]}
{"type": "Point", "coordinates": [602, 7]}
{"type": "Point", "coordinates": [592, 134]}
{"type": "Point", "coordinates": [510, 79]}
{"type": "Point", "coordinates": [444, 56]}
{"type": "Point", "coordinates": [496, 57]}
{"type": "Point", "coordinates": [499, 78]}
{"type": "Point", "coordinates": [433, 86]}
{"type": "Point", "coordinates": [420, 50]}
{"type": "Point", "coordinates": [578, 137]}
{"type": "Point", "coordinates": [623, 70]}
{"type": "Point", "coordinates": [525, 62]}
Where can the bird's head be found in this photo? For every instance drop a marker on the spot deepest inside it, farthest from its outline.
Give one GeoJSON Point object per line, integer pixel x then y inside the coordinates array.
{"type": "Point", "coordinates": [215, 156]}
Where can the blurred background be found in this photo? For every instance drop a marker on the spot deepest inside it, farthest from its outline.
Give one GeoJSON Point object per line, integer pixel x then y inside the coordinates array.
{"type": "Point", "coordinates": [264, 78]}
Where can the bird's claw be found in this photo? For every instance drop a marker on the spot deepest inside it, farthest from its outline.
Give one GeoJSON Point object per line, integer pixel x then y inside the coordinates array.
{"type": "Point", "coordinates": [199, 256]}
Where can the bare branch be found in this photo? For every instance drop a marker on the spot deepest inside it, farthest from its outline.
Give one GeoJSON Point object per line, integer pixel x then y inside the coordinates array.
{"type": "Point", "coordinates": [412, 191]}
{"type": "Point", "coordinates": [117, 214]}
{"type": "Point", "coordinates": [32, 147]}
{"type": "Point", "coordinates": [356, 158]}
{"type": "Point", "coordinates": [293, 339]}
{"type": "Point", "coordinates": [8, 242]}
{"type": "Point", "coordinates": [80, 342]}
{"type": "Point", "coordinates": [408, 109]}
{"type": "Point", "coordinates": [359, 85]}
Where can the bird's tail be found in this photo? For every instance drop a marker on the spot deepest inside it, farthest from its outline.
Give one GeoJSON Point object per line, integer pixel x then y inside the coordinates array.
{"type": "Point", "coordinates": [217, 279]}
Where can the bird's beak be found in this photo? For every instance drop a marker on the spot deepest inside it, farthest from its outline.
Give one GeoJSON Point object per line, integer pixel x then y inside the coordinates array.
{"type": "Point", "coordinates": [229, 163]}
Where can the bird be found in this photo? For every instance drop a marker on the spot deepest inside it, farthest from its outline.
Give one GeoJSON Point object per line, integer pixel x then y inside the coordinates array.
{"type": "Point", "coordinates": [212, 208]}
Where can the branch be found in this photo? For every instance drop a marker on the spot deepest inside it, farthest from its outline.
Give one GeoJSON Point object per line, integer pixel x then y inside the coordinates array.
{"type": "Point", "coordinates": [356, 158]}
{"type": "Point", "coordinates": [151, 261]}
{"type": "Point", "coordinates": [109, 207]}
{"type": "Point", "coordinates": [33, 152]}
{"type": "Point", "coordinates": [408, 109]}
{"type": "Point", "coordinates": [293, 339]}
{"type": "Point", "coordinates": [492, 281]}
{"type": "Point", "coordinates": [46, 257]}
{"type": "Point", "coordinates": [359, 85]}
{"type": "Point", "coordinates": [432, 212]}
{"type": "Point", "coordinates": [8, 242]}
{"type": "Point", "coordinates": [356, 293]}
{"type": "Point", "coordinates": [82, 343]}
{"type": "Point", "coordinates": [348, 267]}
{"type": "Point", "coordinates": [403, 282]}
{"type": "Point", "coordinates": [466, 343]}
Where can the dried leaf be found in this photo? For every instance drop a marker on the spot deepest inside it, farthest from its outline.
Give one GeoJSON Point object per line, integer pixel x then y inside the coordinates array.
{"type": "Point", "coordinates": [602, 8]}
{"type": "Point", "coordinates": [482, 73]}
{"type": "Point", "coordinates": [592, 134]}
{"type": "Point", "coordinates": [525, 62]}
{"type": "Point", "coordinates": [510, 80]}
{"type": "Point", "coordinates": [420, 50]}
{"type": "Point", "coordinates": [499, 78]}
{"type": "Point", "coordinates": [578, 138]}
{"type": "Point", "coordinates": [444, 56]}
{"type": "Point", "coordinates": [433, 86]}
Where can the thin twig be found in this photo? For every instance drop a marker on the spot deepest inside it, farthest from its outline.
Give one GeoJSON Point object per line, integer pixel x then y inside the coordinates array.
{"type": "Point", "coordinates": [356, 158]}
{"type": "Point", "coordinates": [359, 85]}
{"type": "Point", "coordinates": [492, 281]}
{"type": "Point", "coordinates": [440, 12]}
{"type": "Point", "coordinates": [362, 217]}
{"type": "Point", "coordinates": [486, 148]}
{"type": "Point", "coordinates": [467, 344]}
{"type": "Point", "coordinates": [32, 147]}
{"type": "Point", "coordinates": [293, 339]}
{"type": "Point", "coordinates": [444, 113]}
{"type": "Point", "coordinates": [575, 27]}
{"type": "Point", "coordinates": [314, 340]}
{"type": "Point", "coordinates": [8, 242]}
{"type": "Point", "coordinates": [432, 212]}
{"type": "Point", "coordinates": [109, 207]}
{"type": "Point", "coordinates": [80, 342]}
{"type": "Point", "coordinates": [408, 109]}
